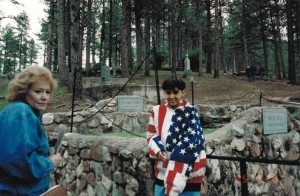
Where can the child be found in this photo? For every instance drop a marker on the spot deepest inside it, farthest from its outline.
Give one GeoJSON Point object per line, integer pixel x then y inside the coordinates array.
{"type": "Point", "coordinates": [175, 138]}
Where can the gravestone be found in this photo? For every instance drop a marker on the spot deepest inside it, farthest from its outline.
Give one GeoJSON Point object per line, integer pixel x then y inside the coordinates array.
{"type": "Point", "coordinates": [105, 75]}
{"type": "Point", "coordinates": [274, 120]}
{"type": "Point", "coordinates": [130, 104]}
{"type": "Point", "coordinates": [187, 68]}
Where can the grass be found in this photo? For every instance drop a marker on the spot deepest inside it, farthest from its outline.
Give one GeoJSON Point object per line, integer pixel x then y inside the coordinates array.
{"type": "Point", "coordinates": [3, 93]}
{"type": "Point", "coordinates": [124, 134]}
{"type": "Point", "coordinates": [141, 133]}
{"type": "Point", "coordinates": [60, 92]}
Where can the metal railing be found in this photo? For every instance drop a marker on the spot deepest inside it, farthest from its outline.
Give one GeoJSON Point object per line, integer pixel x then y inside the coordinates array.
{"type": "Point", "coordinates": [246, 155]}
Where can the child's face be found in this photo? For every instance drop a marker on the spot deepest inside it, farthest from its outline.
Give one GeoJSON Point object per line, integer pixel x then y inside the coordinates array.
{"type": "Point", "coordinates": [173, 97]}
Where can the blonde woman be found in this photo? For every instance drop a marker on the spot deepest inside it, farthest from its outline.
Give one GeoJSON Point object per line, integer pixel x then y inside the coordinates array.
{"type": "Point", "coordinates": [25, 164]}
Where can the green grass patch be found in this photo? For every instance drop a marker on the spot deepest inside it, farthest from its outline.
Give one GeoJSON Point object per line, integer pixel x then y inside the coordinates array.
{"type": "Point", "coordinates": [209, 130]}
{"type": "Point", "coordinates": [3, 93]}
{"type": "Point", "coordinates": [140, 133]}
{"type": "Point", "coordinates": [124, 134]}
{"type": "Point", "coordinates": [60, 91]}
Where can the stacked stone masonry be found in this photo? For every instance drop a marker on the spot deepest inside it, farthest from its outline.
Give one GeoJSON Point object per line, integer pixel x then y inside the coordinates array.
{"type": "Point", "coordinates": [111, 165]}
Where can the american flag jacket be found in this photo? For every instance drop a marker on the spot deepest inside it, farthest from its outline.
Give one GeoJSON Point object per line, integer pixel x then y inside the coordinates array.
{"type": "Point", "coordinates": [179, 134]}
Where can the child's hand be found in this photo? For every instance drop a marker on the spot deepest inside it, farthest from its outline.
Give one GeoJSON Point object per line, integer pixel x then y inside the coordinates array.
{"type": "Point", "coordinates": [161, 156]}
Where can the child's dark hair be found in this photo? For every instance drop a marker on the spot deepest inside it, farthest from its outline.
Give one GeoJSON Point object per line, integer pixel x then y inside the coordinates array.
{"type": "Point", "coordinates": [172, 83]}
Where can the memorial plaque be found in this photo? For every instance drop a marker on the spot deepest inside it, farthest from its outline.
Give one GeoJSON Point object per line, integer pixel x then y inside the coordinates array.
{"type": "Point", "coordinates": [274, 120]}
{"type": "Point", "coordinates": [130, 104]}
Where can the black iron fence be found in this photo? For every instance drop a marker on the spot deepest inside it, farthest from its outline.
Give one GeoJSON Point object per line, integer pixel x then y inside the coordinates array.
{"type": "Point", "coordinates": [246, 156]}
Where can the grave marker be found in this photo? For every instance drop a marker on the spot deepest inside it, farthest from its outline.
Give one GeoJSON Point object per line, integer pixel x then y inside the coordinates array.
{"type": "Point", "coordinates": [105, 74]}
{"type": "Point", "coordinates": [130, 104]}
{"type": "Point", "coordinates": [274, 120]}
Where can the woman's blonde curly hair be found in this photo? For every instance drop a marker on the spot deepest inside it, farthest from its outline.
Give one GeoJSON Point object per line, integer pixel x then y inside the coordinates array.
{"type": "Point", "coordinates": [23, 81]}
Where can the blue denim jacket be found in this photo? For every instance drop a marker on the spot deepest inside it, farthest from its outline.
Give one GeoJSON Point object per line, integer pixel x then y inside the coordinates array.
{"type": "Point", "coordinates": [24, 163]}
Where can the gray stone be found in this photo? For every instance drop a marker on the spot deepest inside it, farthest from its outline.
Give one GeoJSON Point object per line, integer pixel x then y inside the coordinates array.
{"type": "Point", "coordinates": [118, 177]}
{"type": "Point", "coordinates": [106, 154]}
{"type": "Point", "coordinates": [233, 108]}
{"type": "Point", "coordinates": [239, 144]}
{"type": "Point", "coordinates": [94, 123]}
{"type": "Point", "coordinates": [107, 183]}
{"type": "Point", "coordinates": [117, 190]}
{"type": "Point", "coordinates": [99, 190]}
{"type": "Point", "coordinates": [47, 119]}
{"type": "Point", "coordinates": [237, 131]}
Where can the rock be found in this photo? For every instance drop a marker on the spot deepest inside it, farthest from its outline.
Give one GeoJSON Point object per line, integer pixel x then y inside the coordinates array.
{"type": "Point", "coordinates": [237, 131]}
{"type": "Point", "coordinates": [47, 119]}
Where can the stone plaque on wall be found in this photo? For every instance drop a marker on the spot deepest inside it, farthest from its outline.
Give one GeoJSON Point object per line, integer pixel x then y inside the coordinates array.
{"type": "Point", "coordinates": [130, 104]}
{"type": "Point", "coordinates": [274, 120]}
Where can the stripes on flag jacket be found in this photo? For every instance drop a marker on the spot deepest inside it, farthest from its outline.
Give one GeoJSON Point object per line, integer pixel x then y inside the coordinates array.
{"type": "Point", "coordinates": [179, 134]}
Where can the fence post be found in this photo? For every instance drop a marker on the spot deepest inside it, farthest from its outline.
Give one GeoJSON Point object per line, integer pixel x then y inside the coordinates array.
{"type": "Point", "coordinates": [244, 179]}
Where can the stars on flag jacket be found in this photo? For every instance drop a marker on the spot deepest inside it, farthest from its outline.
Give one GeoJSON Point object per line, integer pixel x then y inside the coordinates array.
{"type": "Point", "coordinates": [179, 134]}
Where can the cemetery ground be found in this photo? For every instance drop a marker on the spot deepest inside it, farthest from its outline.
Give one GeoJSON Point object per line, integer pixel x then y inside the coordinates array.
{"type": "Point", "coordinates": [228, 89]}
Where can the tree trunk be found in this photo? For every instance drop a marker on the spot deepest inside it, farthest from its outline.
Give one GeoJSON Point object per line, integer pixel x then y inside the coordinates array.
{"type": "Point", "coordinates": [147, 43]}
{"type": "Point", "coordinates": [291, 46]}
{"type": "Point", "coordinates": [245, 39]}
{"type": "Point", "coordinates": [103, 36]}
{"type": "Point", "coordinates": [125, 38]}
{"type": "Point", "coordinates": [68, 36]}
{"type": "Point", "coordinates": [50, 35]}
{"type": "Point", "coordinates": [221, 33]}
{"type": "Point", "coordinates": [138, 20]}
{"type": "Point", "coordinates": [264, 37]}
{"type": "Point", "coordinates": [172, 30]}
{"type": "Point", "coordinates": [217, 51]}
{"type": "Point", "coordinates": [208, 44]}
{"type": "Point", "coordinates": [75, 49]}
{"type": "Point", "coordinates": [110, 33]}
{"type": "Point", "coordinates": [200, 42]}
{"type": "Point", "coordinates": [298, 41]}
{"type": "Point", "coordinates": [63, 69]}
{"type": "Point", "coordinates": [88, 37]}
{"type": "Point", "coordinates": [280, 51]}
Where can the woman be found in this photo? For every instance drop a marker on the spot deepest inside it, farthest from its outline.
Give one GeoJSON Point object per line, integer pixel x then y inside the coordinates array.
{"type": "Point", "coordinates": [175, 138]}
{"type": "Point", "coordinates": [25, 164]}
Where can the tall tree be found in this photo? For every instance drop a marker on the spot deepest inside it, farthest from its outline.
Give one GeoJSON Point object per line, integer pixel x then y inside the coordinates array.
{"type": "Point", "coordinates": [32, 52]}
{"type": "Point", "coordinates": [200, 41]}
{"type": "Point", "coordinates": [263, 33]}
{"type": "Point", "coordinates": [208, 33]}
{"type": "Point", "coordinates": [245, 36]}
{"type": "Point", "coordinates": [172, 33]}
{"type": "Point", "coordinates": [138, 29]}
{"type": "Point", "coordinates": [22, 33]}
{"type": "Point", "coordinates": [76, 48]}
{"type": "Point", "coordinates": [88, 22]}
{"type": "Point", "coordinates": [10, 50]}
{"type": "Point", "coordinates": [147, 38]}
{"type": "Point", "coordinates": [50, 34]}
{"type": "Point", "coordinates": [126, 37]}
{"type": "Point", "coordinates": [61, 44]}
{"type": "Point", "coordinates": [217, 48]}
{"type": "Point", "coordinates": [291, 42]}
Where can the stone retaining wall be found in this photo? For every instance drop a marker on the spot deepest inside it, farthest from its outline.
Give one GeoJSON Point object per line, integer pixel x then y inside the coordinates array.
{"type": "Point", "coordinates": [94, 165]}
{"type": "Point", "coordinates": [109, 165]}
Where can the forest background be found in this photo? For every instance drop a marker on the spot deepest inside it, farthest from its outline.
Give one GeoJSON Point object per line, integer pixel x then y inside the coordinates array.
{"type": "Point", "coordinates": [218, 36]}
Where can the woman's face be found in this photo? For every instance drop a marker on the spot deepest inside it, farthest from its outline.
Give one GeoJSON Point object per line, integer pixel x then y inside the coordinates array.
{"type": "Point", "coordinates": [38, 95]}
{"type": "Point", "coordinates": [173, 97]}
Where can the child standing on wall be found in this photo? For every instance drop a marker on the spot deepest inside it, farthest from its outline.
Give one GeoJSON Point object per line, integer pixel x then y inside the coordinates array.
{"type": "Point", "coordinates": [175, 138]}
